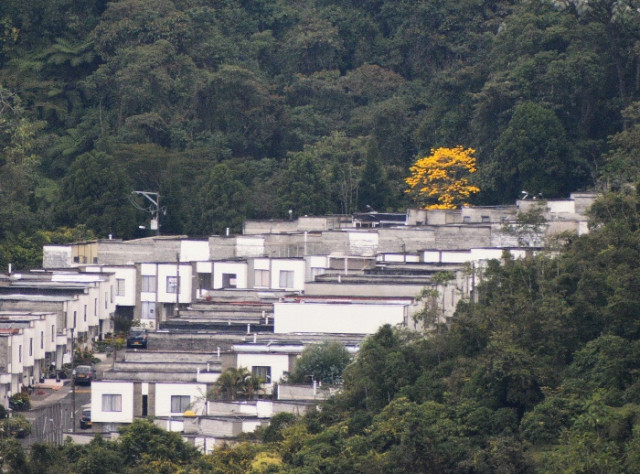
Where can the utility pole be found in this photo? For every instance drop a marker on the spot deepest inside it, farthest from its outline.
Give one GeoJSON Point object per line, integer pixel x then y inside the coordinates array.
{"type": "Point", "coordinates": [73, 384]}
{"type": "Point", "coordinates": [178, 285]}
{"type": "Point", "coordinates": [154, 208]}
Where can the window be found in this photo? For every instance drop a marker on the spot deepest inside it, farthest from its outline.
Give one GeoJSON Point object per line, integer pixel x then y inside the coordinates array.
{"type": "Point", "coordinates": [120, 287]}
{"type": "Point", "coordinates": [148, 283]}
{"type": "Point", "coordinates": [30, 346]}
{"type": "Point", "coordinates": [286, 279]}
{"type": "Point", "coordinates": [85, 313]}
{"type": "Point", "coordinates": [204, 281]}
{"type": "Point", "coordinates": [41, 339]}
{"type": "Point", "coordinates": [172, 284]}
{"type": "Point", "coordinates": [263, 372]}
{"type": "Point", "coordinates": [180, 403]}
{"type": "Point", "coordinates": [466, 219]}
{"type": "Point", "coordinates": [74, 319]}
{"type": "Point", "coordinates": [111, 402]}
{"type": "Point", "coordinates": [20, 353]}
{"type": "Point", "coordinates": [148, 310]}
{"type": "Point", "coordinates": [485, 219]}
{"type": "Point", "coordinates": [261, 278]}
{"type": "Point", "coordinates": [229, 280]}
{"type": "Point", "coordinates": [76, 259]}
{"type": "Point", "coordinates": [106, 299]}
{"type": "Point", "coordinates": [111, 293]}
{"type": "Point", "coordinates": [53, 334]}
{"type": "Point", "coordinates": [95, 306]}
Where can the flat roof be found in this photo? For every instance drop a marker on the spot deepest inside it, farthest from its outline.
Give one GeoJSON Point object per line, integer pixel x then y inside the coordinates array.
{"type": "Point", "coordinates": [22, 297]}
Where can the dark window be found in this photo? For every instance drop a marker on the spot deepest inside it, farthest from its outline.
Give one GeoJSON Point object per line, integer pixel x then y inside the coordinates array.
{"type": "Point", "coordinates": [204, 281]}
{"type": "Point", "coordinates": [229, 280]}
{"type": "Point", "coordinates": [263, 372]}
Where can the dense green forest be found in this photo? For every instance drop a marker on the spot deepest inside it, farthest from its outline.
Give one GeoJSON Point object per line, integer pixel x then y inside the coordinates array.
{"type": "Point", "coordinates": [540, 374]}
{"type": "Point", "coordinates": [235, 109]}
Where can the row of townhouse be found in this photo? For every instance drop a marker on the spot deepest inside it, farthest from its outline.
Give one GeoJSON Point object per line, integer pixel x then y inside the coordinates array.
{"type": "Point", "coordinates": [167, 384]}
{"type": "Point", "coordinates": [312, 279]}
{"type": "Point", "coordinates": [42, 315]}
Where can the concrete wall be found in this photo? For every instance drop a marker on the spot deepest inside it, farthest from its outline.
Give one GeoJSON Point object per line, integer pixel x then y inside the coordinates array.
{"type": "Point", "coordinates": [269, 408]}
{"type": "Point", "coordinates": [268, 226]}
{"type": "Point", "coordinates": [222, 408]}
{"type": "Point", "coordinates": [363, 243]}
{"type": "Point", "coordinates": [382, 289]}
{"type": "Point", "coordinates": [115, 252]}
{"type": "Point", "coordinates": [462, 237]}
{"type": "Point", "coordinates": [57, 256]}
{"type": "Point", "coordinates": [218, 427]}
{"type": "Point", "coordinates": [222, 247]}
{"type": "Point", "coordinates": [405, 239]}
{"type": "Point", "coordinates": [303, 392]}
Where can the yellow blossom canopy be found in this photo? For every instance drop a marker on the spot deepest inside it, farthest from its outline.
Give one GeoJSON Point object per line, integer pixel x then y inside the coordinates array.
{"type": "Point", "coordinates": [440, 180]}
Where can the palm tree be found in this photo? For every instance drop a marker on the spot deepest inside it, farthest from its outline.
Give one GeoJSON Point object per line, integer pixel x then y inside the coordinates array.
{"type": "Point", "coordinates": [235, 383]}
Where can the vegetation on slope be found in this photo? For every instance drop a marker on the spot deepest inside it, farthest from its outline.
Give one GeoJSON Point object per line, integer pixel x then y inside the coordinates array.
{"type": "Point", "coordinates": [245, 109]}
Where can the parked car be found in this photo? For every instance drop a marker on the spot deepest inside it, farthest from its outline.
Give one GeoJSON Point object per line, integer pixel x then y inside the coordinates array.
{"type": "Point", "coordinates": [84, 374]}
{"type": "Point", "coordinates": [137, 338]}
{"type": "Point", "coordinates": [85, 418]}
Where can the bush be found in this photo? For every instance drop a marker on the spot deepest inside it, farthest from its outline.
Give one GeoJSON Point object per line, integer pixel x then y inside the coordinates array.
{"type": "Point", "coordinates": [84, 357]}
{"type": "Point", "coordinates": [20, 401]}
{"type": "Point", "coordinates": [17, 426]}
{"type": "Point", "coordinates": [3, 412]}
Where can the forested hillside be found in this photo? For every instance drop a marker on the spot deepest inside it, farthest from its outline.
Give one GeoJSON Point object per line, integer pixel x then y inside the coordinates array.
{"type": "Point", "coordinates": [234, 109]}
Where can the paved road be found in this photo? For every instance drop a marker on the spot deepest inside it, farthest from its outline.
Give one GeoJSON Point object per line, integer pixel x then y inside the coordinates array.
{"type": "Point", "coordinates": [50, 413]}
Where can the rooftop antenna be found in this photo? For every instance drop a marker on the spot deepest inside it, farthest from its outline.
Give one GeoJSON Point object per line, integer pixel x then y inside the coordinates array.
{"type": "Point", "coordinates": [153, 208]}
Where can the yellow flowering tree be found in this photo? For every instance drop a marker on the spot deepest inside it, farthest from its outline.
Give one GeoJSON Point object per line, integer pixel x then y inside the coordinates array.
{"type": "Point", "coordinates": [440, 180]}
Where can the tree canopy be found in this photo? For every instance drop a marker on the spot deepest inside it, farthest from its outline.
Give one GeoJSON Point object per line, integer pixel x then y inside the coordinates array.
{"type": "Point", "coordinates": [235, 110]}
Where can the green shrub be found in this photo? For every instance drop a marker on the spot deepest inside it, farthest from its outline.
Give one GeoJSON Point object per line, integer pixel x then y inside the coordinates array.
{"type": "Point", "coordinates": [17, 426]}
{"type": "Point", "coordinates": [19, 401]}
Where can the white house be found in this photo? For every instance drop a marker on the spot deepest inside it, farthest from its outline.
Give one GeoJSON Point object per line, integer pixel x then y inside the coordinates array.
{"type": "Point", "coordinates": [164, 287]}
{"type": "Point", "coordinates": [229, 274]}
{"type": "Point", "coordinates": [340, 316]}
{"type": "Point", "coordinates": [112, 404]}
{"type": "Point", "coordinates": [115, 403]}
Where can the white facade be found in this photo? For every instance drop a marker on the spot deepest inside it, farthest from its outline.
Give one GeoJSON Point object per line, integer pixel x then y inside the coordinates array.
{"type": "Point", "coordinates": [194, 250]}
{"type": "Point", "coordinates": [111, 402]}
{"type": "Point", "coordinates": [337, 318]}
{"type": "Point", "coordinates": [287, 274]}
{"type": "Point", "coordinates": [471, 255]}
{"type": "Point", "coordinates": [124, 281]}
{"type": "Point", "coordinates": [174, 283]}
{"type": "Point", "coordinates": [397, 258]}
{"type": "Point", "coordinates": [316, 265]}
{"type": "Point", "coordinates": [165, 391]}
{"type": "Point", "coordinates": [91, 310]}
{"type": "Point", "coordinates": [229, 274]}
{"type": "Point", "coordinates": [278, 363]}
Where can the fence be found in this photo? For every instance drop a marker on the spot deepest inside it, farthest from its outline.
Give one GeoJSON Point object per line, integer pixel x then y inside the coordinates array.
{"type": "Point", "coordinates": [49, 424]}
